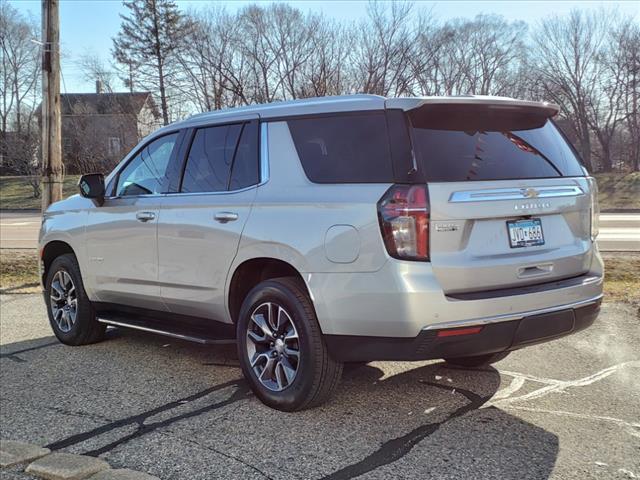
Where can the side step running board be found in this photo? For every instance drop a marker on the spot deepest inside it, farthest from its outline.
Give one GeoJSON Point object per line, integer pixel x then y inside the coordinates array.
{"type": "Point", "coordinates": [188, 334]}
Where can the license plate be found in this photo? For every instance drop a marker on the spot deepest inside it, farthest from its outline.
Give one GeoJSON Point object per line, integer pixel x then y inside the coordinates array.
{"type": "Point", "coordinates": [525, 233]}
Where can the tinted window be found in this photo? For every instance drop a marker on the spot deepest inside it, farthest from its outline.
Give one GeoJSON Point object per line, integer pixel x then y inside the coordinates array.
{"type": "Point", "coordinates": [343, 149]}
{"type": "Point", "coordinates": [210, 159]}
{"type": "Point", "coordinates": [146, 173]}
{"type": "Point", "coordinates": [460, 146]}
{"type": "Point", "coordinates": [245, 164]}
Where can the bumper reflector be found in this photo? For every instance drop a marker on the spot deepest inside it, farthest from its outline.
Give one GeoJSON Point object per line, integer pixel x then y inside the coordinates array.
{"type": "Point", "coordinates": [459, 331]}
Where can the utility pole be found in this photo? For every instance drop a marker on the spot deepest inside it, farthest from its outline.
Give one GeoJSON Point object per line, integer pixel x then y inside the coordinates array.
{"type": "Point", "coordinates": [51, 128]}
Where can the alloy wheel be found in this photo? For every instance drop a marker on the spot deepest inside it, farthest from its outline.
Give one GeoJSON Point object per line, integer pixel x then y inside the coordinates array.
{"type": "Point", "coordinates": [273, 346]}
{"type": "Point", "coordinates": [64, 301]}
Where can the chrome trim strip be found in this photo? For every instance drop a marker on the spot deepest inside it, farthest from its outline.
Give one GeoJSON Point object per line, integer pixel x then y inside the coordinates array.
{"type": "Point", "coordinates": [264, 153]}
{"type": "Point", "coordinates": [530, 193]}
{"type": "Point", "coordinates": [186, 194]}
{"type": "Point", "coordinates": [511, 316]}
{"type": "Point", "coordinates": [189, 338]}
{"type": "Point", "coordinates": [203, 194]}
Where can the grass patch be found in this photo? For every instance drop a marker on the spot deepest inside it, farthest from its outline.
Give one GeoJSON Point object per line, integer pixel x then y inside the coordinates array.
{"type": "Point", "coordinates": [16, 193]}
{"type": "Point", "coordinates": [19, 271]}
{"type": "Point", "coordinates": [618, 190]}
{"type": "Point", "coordinates": [621, 279]}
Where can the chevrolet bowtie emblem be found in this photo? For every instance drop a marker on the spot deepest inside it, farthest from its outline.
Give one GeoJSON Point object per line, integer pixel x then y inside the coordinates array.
{"type": "Point", "coordinates": [530, 192]}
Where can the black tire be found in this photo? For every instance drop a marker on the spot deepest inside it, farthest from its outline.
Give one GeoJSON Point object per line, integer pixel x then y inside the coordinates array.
{"type": "Point", "coordinates": [476, 361]}
{"type": "Point", "coordinates": [317, 374]}
{"type": "Point", "coordinates": [86, 328]}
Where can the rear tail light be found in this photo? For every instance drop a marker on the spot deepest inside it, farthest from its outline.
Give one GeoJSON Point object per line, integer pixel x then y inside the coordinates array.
{"type": "Point", "coordinates": [595, 208]}
{"type": "Point", "coordinates": [403, 212]}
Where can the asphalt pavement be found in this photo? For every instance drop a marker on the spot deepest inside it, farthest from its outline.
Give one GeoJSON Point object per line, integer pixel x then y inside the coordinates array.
{"type": "Point", "coordinates": [561, 410]}
{"type": "Point", "coordinates": [618, 232]}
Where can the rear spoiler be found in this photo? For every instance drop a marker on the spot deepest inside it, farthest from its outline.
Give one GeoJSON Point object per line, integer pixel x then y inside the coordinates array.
{"type": "Point", "coordinates": [504, 104]}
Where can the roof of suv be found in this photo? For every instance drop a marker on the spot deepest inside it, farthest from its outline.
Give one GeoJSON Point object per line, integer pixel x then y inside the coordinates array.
{"type": "Point", "coordinates": [359, 102]}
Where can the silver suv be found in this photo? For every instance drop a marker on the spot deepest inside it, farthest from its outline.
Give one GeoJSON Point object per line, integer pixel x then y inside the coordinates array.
{"type": "Point", "coordinates": [333, 230]}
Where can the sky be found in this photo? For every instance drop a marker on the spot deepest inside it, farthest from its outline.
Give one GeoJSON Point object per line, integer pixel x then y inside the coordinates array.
{"type": "Point", "coordinates": [88, 26]}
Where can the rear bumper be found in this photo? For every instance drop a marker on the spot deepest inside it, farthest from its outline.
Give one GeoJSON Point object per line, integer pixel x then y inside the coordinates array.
{"type": "Point", "coordinates": [497, 336]}
{"type": "Point", "coordinates": [403, 298]}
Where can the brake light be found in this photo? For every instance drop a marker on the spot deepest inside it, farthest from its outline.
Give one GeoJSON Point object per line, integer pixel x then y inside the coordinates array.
{"type": "Point", "coordinates": [403, 212]}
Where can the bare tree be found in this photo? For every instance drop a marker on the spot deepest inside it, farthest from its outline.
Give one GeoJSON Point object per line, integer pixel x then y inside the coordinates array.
{"type": "Point", "coordinates": [290, 36]}
{"type": "Point", "coordinates": [607, 110]}
{"type": "Point", "coordinates": [325, 72]}
{"type": "Point", "coordinates": [271, 47]}
{"type": "Point", "coordinates": [19, 77]}
{"type": "Point", "coordinates": [263, 54]}
{"type": "Point", "coordinates": [428, 52]}
{"type": "Point", "coordinates": [207, 56]}
{"type": "Point", "coordinates": [497, 48]}
{"type": "Point", "coordinates": [95, 70]}
{"type": "Point", "coordinates": [383, 49]}
{"type": "Point", "coordinates": [149, 40]}
{"type": "Point", "coordinates": [628, 55]}
{"type": "Point", "coordinates": [275, 52]}
{"type": "Point", "coordinates": [566, 60]}
{"type": "Point", "coordinates": [19, 57]}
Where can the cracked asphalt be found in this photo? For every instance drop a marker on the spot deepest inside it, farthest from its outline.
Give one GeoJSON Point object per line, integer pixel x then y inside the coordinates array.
{"type": "Point", "coordinates": [566, 409]}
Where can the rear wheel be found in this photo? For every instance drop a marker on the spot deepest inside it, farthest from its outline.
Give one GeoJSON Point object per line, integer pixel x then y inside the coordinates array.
{"type": "Point", "coordinates": [71, 314]}
{"type": "Point", "coordinates": [476, 361]}
{"type": "Point", "coordinates": [281, 349]}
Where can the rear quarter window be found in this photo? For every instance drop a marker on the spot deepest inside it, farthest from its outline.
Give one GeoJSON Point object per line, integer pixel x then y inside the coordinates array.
{"type": "Point", "coordinates": [350, 148]}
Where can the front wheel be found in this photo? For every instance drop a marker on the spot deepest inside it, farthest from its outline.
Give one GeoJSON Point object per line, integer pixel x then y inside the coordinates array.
{"type": "Point", "coordinates": [71, 314]}
{"type": "Point", "coordinates": [281, 349]}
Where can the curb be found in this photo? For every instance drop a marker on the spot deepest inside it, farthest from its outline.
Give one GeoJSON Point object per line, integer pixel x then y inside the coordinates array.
{"type": "Point", "coordinates": [61, 466]}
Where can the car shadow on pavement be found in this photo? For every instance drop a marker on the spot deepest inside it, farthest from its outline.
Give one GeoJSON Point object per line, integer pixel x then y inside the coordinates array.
{"type": "Point", "coordinates": [387, 419]}
{"type": "Point", "coordinates": [455, 435]}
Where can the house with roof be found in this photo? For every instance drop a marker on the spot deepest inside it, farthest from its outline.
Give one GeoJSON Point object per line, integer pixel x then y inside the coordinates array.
{"type": "Point", "coordinates": [99, 129]}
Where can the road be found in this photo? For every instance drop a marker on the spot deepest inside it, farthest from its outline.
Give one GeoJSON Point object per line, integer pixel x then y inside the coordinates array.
{"type": "Point", "coordinates": [618, 232]}
{"type": "Point", "coordinates": [562, 410]}
{"type": "Point", "coordinates": [19, 229]}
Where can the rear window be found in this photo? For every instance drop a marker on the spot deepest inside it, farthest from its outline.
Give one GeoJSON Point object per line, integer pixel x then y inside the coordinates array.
{"type": "Point", "coordinates": [350, 148]}
{"type": "Point", "coordinates": [209, 161]}
{"type": "Point", "coordinates": [452, 143]}
{"type": "Point", "coordinates": [222, 158]}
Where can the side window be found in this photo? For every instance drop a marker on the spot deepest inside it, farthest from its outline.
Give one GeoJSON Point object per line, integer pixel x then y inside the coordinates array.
{"type": "Point", "coordinates": [147, 172]}
{"type": "Point", "coordinates": [343, 148]}
{"type": "Point", "coordinates": [210, 159]}
{"type": "Point", "coordinates": [246, 162]}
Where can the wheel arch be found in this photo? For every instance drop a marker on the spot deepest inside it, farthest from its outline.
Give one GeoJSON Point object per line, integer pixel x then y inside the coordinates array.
{"type": "Point", "coordinates": [253, 271]}
{"type": "Point", "coordinates": [50, 252]}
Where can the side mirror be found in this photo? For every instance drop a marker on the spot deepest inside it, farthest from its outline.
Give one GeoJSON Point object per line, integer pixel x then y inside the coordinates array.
{"type": "Point", "coordinates": [92, 186]}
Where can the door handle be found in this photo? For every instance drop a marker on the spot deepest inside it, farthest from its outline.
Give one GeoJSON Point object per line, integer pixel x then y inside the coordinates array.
{"type": "Point", "coordinates": [145, 216]}
{"type": "Point", "coordinates": [224, 217]}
